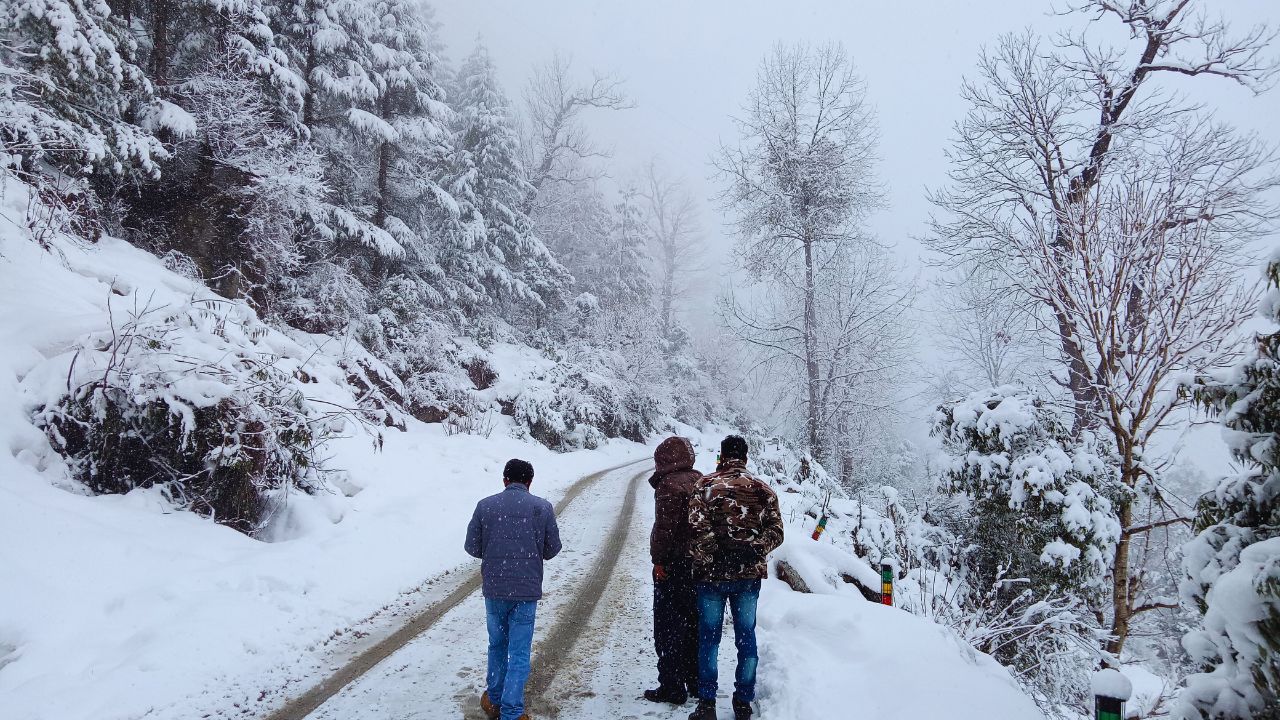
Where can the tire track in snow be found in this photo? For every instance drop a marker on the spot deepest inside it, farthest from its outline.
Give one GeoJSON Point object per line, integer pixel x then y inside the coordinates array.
{"type": "Point", "coordinates": [305, 704]}
{"type": "Point", "coordinates": [575, 618]}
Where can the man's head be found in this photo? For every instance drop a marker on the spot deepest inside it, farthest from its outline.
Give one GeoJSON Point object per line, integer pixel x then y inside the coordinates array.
{"type": "Point", "coordinates": [733, 447]}
{"type": "Point", "coordinates": [517, 471]}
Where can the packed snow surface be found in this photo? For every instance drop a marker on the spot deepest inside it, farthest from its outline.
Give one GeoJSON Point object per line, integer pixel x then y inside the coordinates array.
{"type": "Point", "coordinates": [1112, 683]}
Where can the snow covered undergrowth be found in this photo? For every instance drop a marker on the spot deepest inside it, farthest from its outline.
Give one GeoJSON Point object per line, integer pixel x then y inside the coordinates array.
{"type": "Point", "coordinates": [119, 606]}
{"type": "Point", "coordinates": [831, 652]}
{"type": "Point", "coordinates": [841, 656]}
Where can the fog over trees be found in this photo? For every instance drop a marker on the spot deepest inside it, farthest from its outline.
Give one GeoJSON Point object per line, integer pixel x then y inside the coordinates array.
{"type": "Point", "coordinates": [1016, 398]}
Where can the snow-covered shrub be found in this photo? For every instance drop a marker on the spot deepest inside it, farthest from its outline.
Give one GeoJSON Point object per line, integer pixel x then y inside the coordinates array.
{"type": "Point", "coordinates": [326, 297]}
{"type": "Point", "coordinates": [185, 398]}
{"type": "Point", "coordinates": [421, 349]}
{"type": "Point", "coordinates": [1040, 528]}
{"type": "Point", "coordinates": [1039, 496]}
{"type": "Point", "coordinates": [558, 411]}
{"type": "Point", "coordinates": [582, 399]}
{"type": "Point", "coordinates": [1233, 564]}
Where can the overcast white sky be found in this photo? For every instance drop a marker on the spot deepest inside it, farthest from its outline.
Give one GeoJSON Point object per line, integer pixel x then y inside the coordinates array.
{"type": "Point", "coordinates": [689, 65]}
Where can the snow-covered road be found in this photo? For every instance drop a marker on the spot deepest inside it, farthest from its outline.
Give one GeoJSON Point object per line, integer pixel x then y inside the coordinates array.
{"type": "Point", "coordinates": [592, 648]}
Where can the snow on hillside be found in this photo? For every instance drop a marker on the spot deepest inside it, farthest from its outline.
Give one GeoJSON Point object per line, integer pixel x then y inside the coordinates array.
{"type": "Point", "coordinates": [116, 606]}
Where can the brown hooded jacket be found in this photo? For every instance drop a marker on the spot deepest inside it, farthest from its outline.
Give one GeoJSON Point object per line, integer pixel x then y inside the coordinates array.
{"type": "Point", "coordinates": [672, 482]}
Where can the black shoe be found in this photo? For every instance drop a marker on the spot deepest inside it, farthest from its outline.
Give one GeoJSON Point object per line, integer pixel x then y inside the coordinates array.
{"type": "Point", "coordinates": [675, 696]}
{"type": "Point", "coordinates": [706, 710]}
{"type": "Point", "coordinates": [741, 710]}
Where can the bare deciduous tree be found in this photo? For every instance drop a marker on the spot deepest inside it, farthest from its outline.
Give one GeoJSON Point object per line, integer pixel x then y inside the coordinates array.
{"type": "Point", "coordinates": [987, 330]}
{"type": "Point", "coordinates": [1126, 216]}
{"type": "Point", "coordinates": [1106, 108]}
{"type": "Point", "coordinates": [670, 220]}
{"type": "Point", "coordinates": [860, 344]}
{"type": "Point", "coordinates": [800, 182]}
{"type": "Point", "coordinates": [557, 145]}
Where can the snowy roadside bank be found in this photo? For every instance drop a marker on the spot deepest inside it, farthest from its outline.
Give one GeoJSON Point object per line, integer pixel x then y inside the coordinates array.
{"type": "Point", "coordinates": [118, 606]}
{"type": "Point", "coordinates": [135, 608]}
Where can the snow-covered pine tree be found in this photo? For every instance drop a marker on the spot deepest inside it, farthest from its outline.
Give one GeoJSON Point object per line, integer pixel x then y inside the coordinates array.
{"type": "Point", "coordinates": [242, 191]}
{"type": "Point", "coordinates": [513, 264]}
{"type": "Point", "coordinates": [1233, 564]}
{"type": "Point", "coordinates": [574, 221]}
{"type": "Point", "coordinates": [625, 282]}
{"type": "Point", "coordinates": [332, 45]}
{"type": "Point", "coordinates": [177, 39]}
{"type": "Point", "coordinates": [1041, 530]}
{"type": "Point", "coordinates": [74, 95]}
{"type": "Point", "coordinates": [409, 115]}
{"type": "Point", "coordinates": [1040, 497]}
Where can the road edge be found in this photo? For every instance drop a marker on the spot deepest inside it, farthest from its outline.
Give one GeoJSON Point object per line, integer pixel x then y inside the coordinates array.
{"type": "Point", "coordinates": [303, 705]}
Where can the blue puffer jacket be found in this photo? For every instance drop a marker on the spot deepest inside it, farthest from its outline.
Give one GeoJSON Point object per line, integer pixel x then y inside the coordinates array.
{"type": "Point", "coordinates": [513, 532]}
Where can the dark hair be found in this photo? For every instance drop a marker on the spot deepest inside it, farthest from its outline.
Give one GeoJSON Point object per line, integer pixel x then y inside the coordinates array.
{"type": "Point", "coordinates": [518, 471]}
{"type": "Point", "coordinates": [734, 446]}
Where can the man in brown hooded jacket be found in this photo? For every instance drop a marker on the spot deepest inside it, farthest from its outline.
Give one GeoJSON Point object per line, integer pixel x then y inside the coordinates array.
{"type": "Point", "coordinates": [675, 617]}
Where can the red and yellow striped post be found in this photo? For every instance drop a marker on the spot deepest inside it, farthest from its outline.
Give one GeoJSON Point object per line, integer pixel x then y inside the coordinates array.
{"type": "Point", "coordinates": [886, 583]}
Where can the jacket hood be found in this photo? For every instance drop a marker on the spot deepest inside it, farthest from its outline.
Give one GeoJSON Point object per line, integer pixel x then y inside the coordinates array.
{"type": "Point", "coordinates": [673, 454]}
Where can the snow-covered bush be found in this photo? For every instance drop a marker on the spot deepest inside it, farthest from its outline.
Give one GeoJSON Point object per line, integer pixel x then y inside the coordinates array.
{"type": "Point", "coordinates": [1039, 496]}
{"type": "Point", "coordinates": [186, 399]}
{"type": "Point", "coordinates": [1233, 564]}
{"type": "Point", "coordinates": [1038, 528]}
{"type": "Point", "coordinates": [577, 404]}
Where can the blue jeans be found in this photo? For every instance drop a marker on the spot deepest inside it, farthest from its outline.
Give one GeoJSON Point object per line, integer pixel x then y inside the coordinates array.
{"type": "Point", "coordinates": [510, 637]}
{"type": "Point", "coordinates": [741, 596]}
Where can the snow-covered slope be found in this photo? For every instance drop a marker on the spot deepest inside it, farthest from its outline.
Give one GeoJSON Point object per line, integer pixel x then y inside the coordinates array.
{"type": "Point", "coordinates": [115, 606]}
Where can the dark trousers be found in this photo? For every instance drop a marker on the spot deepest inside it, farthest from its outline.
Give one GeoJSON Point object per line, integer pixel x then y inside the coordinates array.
{"type": "Point", "coordinates": [675, 631]}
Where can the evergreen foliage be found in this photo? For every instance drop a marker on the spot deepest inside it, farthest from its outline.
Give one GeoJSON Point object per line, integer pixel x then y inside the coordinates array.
{"type": "Point", "coordinates": [321, 161]}
{"type": "Point", "coordinates": [74, 94]}
{"type": "Point", "coordinates": [1233, 564]}
{"type": "Point", "coordinates": [1039, 496]}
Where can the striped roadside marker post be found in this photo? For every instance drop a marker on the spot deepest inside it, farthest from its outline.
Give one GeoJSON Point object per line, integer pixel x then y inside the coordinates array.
{"type": "Point", "coordinates": [822, 525]}
{"type": "Point", "coordinates": [1110, 691]}
{"type": "Point", "coordinates": [886, 582]}
{"type": "Point", "coordinates": [1108, 708]}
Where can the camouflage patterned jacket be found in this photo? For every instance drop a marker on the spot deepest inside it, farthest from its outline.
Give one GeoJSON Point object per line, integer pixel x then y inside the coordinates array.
{"type": "Point", "coordinates": [736, 524]}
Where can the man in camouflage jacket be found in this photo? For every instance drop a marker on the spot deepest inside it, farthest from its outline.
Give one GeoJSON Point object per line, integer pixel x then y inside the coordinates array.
{"type": "Point", "coordinates": [736, 523]}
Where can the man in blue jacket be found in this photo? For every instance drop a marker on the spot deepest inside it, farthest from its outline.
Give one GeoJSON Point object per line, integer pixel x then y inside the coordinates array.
{"type": "Point", "coordinates": [513, 532]}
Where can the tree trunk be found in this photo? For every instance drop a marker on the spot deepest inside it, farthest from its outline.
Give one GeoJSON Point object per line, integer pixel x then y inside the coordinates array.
{"type": "Point", "coordinates": [668, 293]}
{"type": "Point", "coordinates": [384, 165]}
{"type": "Point", "coordinates": [1084, 394]}
{"type": "Point", "coordinates": [309, 97]}
{"type": "Point", "coordinates": [813, 418]}
{"type": "Point", "coordinates": [160, 43]}
{"type": "Point", "coordinates": [124, 9]}
{"type": "Point", "coordinates": [1121, 588]}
